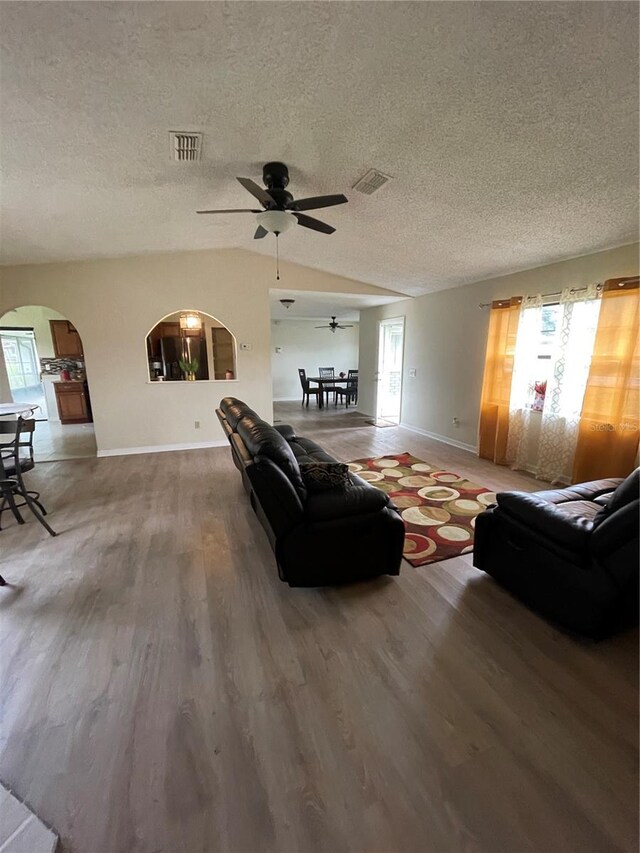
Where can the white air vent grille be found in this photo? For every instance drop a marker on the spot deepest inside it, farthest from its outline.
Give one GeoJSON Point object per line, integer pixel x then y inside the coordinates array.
{"type": "Point", "coordinates": [371, 182]}
{"type": "Point", "coordinates": [185, 147]}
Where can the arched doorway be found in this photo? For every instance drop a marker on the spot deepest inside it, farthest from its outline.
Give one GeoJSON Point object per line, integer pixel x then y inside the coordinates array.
{"type": "Point", "coordinates": [44, 361]}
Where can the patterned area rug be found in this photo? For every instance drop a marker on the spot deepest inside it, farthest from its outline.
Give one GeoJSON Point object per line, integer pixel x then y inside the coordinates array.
{"type": "Point", "coordinates": [439, 508]}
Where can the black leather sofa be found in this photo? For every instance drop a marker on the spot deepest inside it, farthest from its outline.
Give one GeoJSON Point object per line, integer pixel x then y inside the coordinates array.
{"type": "Point", "coordinates": [571, 554]}
{"type": "Point", "coordinates": [319, 538]}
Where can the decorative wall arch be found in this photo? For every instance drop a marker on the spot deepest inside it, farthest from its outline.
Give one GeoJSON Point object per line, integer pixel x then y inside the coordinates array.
{"type": "Point", "coordinates": [191, 345]}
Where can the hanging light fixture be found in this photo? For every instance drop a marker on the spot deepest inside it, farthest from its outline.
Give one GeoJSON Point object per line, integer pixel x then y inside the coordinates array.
{"type": "Point", "coordinates": [287, 303]}
{"type": "Point", "coordinates": [190, 322]}
{"type": "Point", "coordinates": [276, 221]}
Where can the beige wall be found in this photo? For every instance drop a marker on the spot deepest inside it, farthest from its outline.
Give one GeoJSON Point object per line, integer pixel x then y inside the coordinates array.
{"type": "Point", "coordinates": [114, 303]}
{"type": "Point", "coordinates": [38, 317]}
{"type": "Point", "coordinates": [445, 340]}
{"type": "Point", "coordinates": [302, 345]}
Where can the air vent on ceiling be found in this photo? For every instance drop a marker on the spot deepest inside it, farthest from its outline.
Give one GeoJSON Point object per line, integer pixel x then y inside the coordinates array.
{"type": "Point", "coordinates": [371, 182]}
{"type": "Point", "coordinates": [185, 147]}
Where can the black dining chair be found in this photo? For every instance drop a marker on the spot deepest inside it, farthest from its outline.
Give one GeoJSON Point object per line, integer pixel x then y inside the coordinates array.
{"type": "Point", "coordinates": [350, 393]}
{"type": "Point", "coordinates": [16, 458]}
{"type": "Point", "coordinates": [350, 375]}
{"type": "Point", "coordinates": [327, 373]}
{"type": "Point", "coordinates": [306, 390]}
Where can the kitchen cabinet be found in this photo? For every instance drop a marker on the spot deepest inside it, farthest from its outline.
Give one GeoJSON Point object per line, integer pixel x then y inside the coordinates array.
{"type": "Point", "coordinates": [66, 340]}
{"type": "Point", "coordinates": [73, 402]}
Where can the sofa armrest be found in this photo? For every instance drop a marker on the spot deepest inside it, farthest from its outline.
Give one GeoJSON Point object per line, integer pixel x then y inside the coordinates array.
{"type": "Point", "coordinates": [616, 530]}
{"type": "Point", "coordinates": [571, 531]}
{"type": "Point", "coordinates": [286, 431]}
{"type": "Point", "coordinates": [344, 502]}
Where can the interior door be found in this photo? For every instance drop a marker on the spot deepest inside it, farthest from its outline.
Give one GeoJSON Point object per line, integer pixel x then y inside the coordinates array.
{"type": "Point", "coordinates": [389, 376]}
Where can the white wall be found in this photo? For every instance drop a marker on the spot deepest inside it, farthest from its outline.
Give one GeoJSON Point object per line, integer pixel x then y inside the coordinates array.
{"type": "Point", "coordinates": [114, 303]}
{"type": "Point", "coordinates": [446, 335]}
{"type": "Point", "coordinates": [38, 317]}
{"type": "Point", "coordinates": [305, 346]}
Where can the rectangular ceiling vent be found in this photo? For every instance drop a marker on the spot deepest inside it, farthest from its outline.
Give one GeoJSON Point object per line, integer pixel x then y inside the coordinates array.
{"type": "Point", "coordinates": [371, 182]}
{"type": "Point", "coordinates": [185, 147]}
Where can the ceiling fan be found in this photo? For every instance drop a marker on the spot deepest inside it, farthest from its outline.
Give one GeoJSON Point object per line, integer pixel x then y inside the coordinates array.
{"type": "Point", "coordinates": [333, 325]}
{"type": "Point", "coordinates": [280, 210]}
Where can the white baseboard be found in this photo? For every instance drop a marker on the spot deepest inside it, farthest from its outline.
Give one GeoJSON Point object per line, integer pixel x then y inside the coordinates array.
{"type": "Point", "coordinates": [470, 448]}
{"type": "Point", "coordinates": [162, 448]}
{"type": "Point", "coordinates": [289, 399]}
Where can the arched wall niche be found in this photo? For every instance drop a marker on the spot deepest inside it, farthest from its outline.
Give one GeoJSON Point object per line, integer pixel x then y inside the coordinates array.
{"type": "Point", "coordinates": [191, 345]}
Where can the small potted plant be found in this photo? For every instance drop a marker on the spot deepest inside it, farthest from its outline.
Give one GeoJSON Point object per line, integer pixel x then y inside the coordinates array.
{"type": "Point", "coordinates": [189, 368]}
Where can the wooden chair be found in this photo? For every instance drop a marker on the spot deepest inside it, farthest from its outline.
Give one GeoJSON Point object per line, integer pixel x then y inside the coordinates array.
{"type": "Point", "coordinates": [306, 390]}
{"type": "Point", "coordinates": [350, 393]}
{"type": "Point", "coordinates": [16, 458]}
{"type": "Point", "coordinates": [350, 375]}
{"type": "Point", "coordinates": [328, 373]}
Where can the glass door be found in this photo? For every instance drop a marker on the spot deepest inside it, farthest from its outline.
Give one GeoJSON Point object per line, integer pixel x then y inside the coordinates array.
{"type": "Point", "coordinates": [23, 368]}
{"type": "Point", "coordinates": [389, 376]}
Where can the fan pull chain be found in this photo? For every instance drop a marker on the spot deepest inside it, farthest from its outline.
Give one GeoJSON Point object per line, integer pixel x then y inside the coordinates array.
{"type": "Point", "coordinates": [277, 260]}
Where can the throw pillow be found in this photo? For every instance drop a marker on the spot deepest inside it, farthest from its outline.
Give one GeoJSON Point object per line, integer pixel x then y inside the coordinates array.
{"type": "Point", "coordinates": [319, 476]}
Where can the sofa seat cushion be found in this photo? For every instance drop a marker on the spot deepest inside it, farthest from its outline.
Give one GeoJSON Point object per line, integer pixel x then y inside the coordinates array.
{"type": "Point", "coordinates": [307, 451]}
{"type": "Point", "coordinates": [261, 439]}
{"type": "Point", "coordinates": [568, 523]}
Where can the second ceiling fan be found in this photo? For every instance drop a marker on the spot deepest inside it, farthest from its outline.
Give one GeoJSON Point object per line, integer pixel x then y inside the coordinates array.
{"type": "Point", "coordinates": [280, 211]}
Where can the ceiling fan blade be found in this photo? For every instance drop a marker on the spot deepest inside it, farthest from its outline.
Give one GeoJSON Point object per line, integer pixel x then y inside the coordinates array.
{"type": "Point", "coordinates": [323, 327]}
{"type": "Point", "coordinates": [235, 210]}
{"type": "Point", "coordinates": [318, 201]}
{"type": "Point", "coordinates": [314, 224]}
{"type": "Point", "coordinates": [258, 192]}
{"type": "Point", "coordinates": [344, 327]}
{"type": "Point", "coordinates": [260, 233]}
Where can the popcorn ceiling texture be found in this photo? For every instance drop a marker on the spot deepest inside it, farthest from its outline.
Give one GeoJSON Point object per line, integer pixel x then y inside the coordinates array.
{"type": "Point", "coordinates": [511, 130]}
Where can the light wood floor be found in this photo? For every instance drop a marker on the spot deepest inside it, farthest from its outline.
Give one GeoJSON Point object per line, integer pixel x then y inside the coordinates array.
{"type": "Point", "coordinates": [162, 690]}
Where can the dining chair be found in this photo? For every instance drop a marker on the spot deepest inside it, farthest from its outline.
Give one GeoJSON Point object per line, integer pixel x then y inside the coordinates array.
{"type": "Point", "coordinates": [306, 390]}
{"type": "Point", "coordinates": [327, 373]}
{"type": "Point", "coordinates": [350, 375]}
{"type": "Point", "coordinates": [350, 393]}
{"type": "Point", "coordinates": [16, 458]}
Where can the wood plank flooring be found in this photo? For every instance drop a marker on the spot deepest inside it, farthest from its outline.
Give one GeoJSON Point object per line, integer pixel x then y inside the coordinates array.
{"type": "Point", "coordinates": [163, 691]}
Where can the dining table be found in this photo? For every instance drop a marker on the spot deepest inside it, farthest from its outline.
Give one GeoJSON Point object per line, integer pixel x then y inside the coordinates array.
{"type": "Point", "coordinates": [330, 380]}
{"type": "Point", "coordinates": [8, 409]}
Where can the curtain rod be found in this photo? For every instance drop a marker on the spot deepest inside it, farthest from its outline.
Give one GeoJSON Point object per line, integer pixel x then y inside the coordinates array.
{"type": "Point", "coordinates": [599, 287]}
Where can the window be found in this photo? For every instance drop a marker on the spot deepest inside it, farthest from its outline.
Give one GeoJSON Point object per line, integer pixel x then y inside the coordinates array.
{"type": "Point", "coordinates": [191, 346]}
{"type": "Point", "coordinates": [546, 356]}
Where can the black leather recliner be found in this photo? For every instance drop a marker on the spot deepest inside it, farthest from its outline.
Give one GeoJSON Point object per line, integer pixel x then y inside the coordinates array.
{"type": "Point", "coordinates": [571, 554]}
{"type": "Point", "coordinates": [319, 538]}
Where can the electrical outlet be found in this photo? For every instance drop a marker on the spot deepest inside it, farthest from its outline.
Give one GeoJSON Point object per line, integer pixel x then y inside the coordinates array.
{"type": "Point", "coordinates": [412, 373]}
{"type": "Point", "coordinates": [196, 424]}
{"type": "Point", "coordinates": [455, 421]}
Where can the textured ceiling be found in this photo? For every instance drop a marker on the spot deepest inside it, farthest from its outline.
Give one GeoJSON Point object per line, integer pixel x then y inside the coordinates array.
{"type": "Point", "coordinates": [315, 305]}
{"type": "Point", "coordinates": [510, 129]}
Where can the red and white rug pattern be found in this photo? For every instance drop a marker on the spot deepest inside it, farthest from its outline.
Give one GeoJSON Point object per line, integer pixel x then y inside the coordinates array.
{"type": "Point", "coordinates": [439, 508]}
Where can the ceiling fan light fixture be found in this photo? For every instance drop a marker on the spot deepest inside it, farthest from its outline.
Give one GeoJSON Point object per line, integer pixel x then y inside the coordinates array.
{"type": "Point", "coordinates": [276, 221]}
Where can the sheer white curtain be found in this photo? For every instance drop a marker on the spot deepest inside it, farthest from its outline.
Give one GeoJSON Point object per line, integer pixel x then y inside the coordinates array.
{"type": "Point", "coordinates": [522, 421]}
{"type": "Point", "coordinates": [544, 443]}
{"type": "Point", "coordinates": [573, 347]}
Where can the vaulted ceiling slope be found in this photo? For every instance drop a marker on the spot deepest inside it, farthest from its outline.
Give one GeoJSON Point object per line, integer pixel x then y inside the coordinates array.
{"type": "Point", "coordinates": [510, 130]}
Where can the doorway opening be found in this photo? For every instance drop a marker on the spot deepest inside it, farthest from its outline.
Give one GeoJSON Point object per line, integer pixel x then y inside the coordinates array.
{"type": "Point", "coordinates": [389, 373]}
{"type": "Point", "coordinates": [44, 360]}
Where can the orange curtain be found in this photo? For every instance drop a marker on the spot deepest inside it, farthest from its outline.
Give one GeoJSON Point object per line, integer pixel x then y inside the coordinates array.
{"type": "Point", "coordinates": [496, 386]}
{"type": "Point", "coordinates": [608, 434]}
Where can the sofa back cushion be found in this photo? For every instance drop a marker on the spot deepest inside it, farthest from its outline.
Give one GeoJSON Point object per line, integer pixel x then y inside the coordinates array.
{"type": "Point", "coordinates": [261, 439]}
{"type": "Point", "coordinates": [234, 410]}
